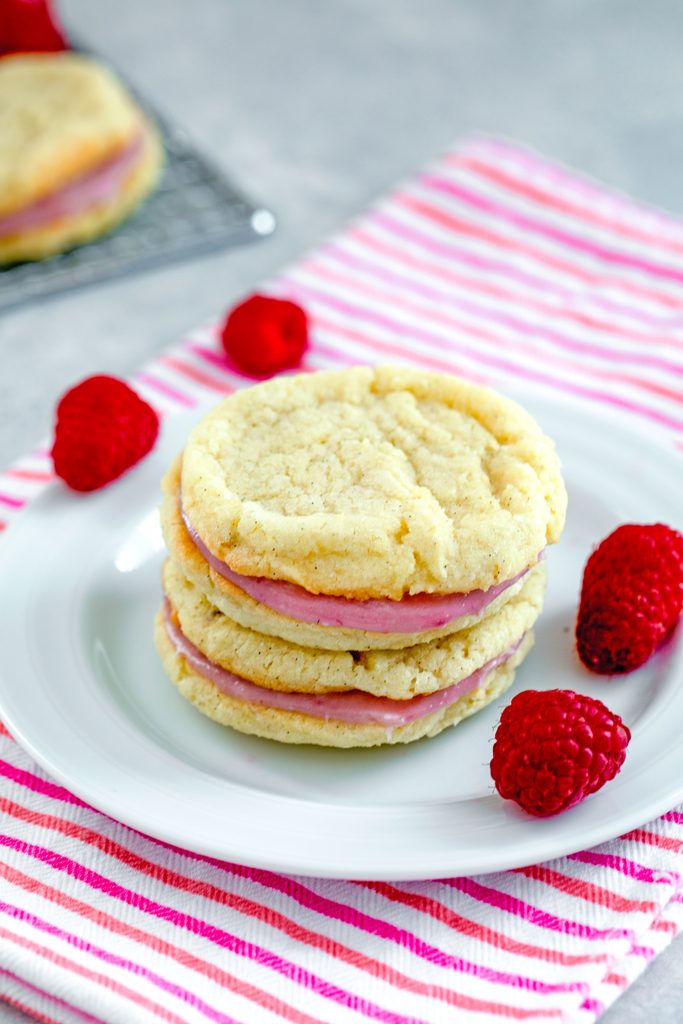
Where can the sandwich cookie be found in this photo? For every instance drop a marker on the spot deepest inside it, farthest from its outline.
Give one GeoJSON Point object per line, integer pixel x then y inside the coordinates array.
{"type": "Point", "coordinates": [312, 629]}
{"type": "Point", "coordinates": [77, 155]}
{"type": "Point", "coordinates": [363, 508]}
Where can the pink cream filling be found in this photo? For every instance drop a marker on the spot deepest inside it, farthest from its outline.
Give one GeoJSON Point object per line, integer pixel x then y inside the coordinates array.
{"type": "Point", "coordinates": [354, 707]}
{"type": "Point", "coordinates": [97, 186]}
{"type": "Point", "coordinates": [415, 613]}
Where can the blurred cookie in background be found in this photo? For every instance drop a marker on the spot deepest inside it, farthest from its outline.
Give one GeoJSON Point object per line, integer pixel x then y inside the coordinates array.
{"type": "Point", "coordinates": [77, 154]}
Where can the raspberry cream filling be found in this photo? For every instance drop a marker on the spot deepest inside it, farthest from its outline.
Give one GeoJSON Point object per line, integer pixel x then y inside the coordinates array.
{"type": "Point", "coordinates": [414, 613]}
{"type": "Point", "coordinates": [354, 707]}
{"type": "Point", "coordinates": [100, 185]}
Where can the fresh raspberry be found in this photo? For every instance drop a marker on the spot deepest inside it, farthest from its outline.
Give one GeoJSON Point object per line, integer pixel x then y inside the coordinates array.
{"type": "Point", "coordinates": [631, 598]}
{"type": "Point", "coordinates": [263, 335]}
{"type": "Point", "coordinates": [102, 429]}
{"type": "Point", "coordinates": [555, 747]}
{"type": "Point", "coordinates": [29, 26]}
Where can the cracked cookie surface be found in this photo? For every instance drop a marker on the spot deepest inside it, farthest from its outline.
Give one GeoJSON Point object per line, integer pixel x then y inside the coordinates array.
{"type": "Point", "coordinates": [370, 483]}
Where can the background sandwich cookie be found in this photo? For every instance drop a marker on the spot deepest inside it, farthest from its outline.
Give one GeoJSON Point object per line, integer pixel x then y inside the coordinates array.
{"type": "Point", "coordinates": [76, 154]}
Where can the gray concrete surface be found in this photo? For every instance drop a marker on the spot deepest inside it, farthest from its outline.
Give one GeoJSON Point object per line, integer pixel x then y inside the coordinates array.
{"type": "Point", "coordinates": [316, 108]}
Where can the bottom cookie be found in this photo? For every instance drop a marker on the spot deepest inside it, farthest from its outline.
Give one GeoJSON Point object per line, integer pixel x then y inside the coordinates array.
{"type": "Point", "coordinates": [287, 726]}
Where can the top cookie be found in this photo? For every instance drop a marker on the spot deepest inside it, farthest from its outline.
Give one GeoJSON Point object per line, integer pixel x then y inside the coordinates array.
{"type": "Point", "coordinates": [370, 483]}
{"type": "Point", "coordinates": [61, 115]}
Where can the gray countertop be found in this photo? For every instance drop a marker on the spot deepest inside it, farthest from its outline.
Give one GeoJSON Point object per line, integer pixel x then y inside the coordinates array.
{"type": "Point", "coordinates": [316, 109]}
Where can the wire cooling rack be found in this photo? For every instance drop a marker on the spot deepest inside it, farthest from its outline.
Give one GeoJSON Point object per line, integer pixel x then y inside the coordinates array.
{"type": "Point", "coordinates": [194, 210]}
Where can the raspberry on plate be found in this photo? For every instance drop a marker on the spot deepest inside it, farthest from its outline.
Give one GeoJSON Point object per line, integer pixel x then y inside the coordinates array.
{"type": "Point", "coordinates": [103, 428]}
{"type": "Point", "coordinates": [555, 747]}
{"type": "Point", "coordinates": [631, 598]}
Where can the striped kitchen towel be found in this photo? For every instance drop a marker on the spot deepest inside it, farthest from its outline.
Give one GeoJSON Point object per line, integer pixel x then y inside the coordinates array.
{"type": "Point", "coordinates": [501, 266]}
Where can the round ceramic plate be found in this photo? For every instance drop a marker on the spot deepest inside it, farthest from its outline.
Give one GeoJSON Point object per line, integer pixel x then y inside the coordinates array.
{"type": "Point", "coordinates": [82, 690]}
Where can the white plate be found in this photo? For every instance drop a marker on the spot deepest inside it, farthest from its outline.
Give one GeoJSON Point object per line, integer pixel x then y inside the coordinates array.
{"type": "Point", "coordinates": [83, 692]}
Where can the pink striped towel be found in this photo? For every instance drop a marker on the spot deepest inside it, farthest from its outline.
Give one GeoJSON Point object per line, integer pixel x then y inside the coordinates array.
{"type": "Point", "coordinates": [500, 265]}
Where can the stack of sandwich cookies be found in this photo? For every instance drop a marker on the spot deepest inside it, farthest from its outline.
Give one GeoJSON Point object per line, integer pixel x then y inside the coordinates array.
{"type": "Point", "coordinates": [77, 155]}
{"type": "Point", "coordinates": [354, 555]}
